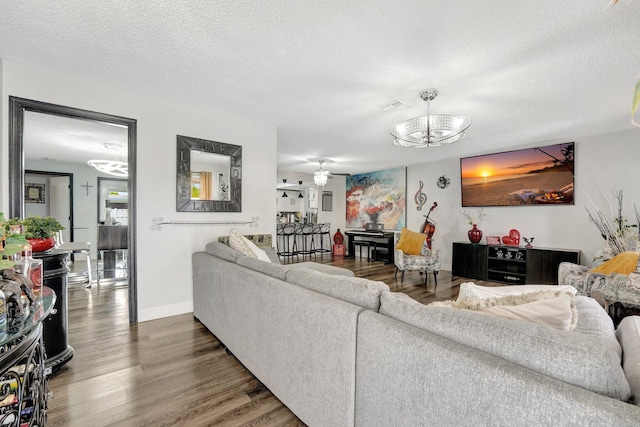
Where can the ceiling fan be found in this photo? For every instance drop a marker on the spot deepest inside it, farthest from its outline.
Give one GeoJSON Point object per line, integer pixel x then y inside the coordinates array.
{"type": "Point", "coordinates": [321, 175]}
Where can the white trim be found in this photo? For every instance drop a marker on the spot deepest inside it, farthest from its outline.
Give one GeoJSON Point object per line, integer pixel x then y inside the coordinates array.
{"type": "Point", "coordinates": [165, 311]}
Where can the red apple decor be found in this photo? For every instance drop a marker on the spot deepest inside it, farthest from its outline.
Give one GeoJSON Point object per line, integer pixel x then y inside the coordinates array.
{"type": "Point", "coordinates": [513, 239]}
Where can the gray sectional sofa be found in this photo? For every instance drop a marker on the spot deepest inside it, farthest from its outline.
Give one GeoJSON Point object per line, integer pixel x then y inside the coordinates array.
{"type": "Point", "coordinates": [343, 351]}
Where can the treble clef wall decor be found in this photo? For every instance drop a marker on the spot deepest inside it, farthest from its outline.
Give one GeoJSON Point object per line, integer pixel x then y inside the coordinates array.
{"type": "Point", "coordinates": [420, 198]}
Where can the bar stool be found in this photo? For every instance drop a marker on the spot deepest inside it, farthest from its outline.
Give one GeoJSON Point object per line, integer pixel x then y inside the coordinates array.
{"type": "Point", "coordinates": [288, 241]}
{"type": "Point", "coordinates": [280, 238]}
{"type": "Point", "coordinates": [324, 234]}
{"type": "Point", "coordinates": [304, 234]}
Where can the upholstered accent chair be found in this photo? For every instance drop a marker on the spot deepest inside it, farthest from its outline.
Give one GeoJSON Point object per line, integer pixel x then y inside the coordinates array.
{"type": "Point", "coordinates": [610, 290]}
{"type": "Point", "coordinates": [428, 261]}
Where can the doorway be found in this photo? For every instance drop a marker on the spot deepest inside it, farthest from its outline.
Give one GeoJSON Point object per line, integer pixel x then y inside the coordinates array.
{"type": "Point", "coordinates": [18, 109]}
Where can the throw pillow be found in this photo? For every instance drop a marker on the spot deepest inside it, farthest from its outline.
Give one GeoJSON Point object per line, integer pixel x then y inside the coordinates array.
{"type": "Point", "coordinates": [469, 291]}
{"type": "Point", "coordinates": [256, 252]}
{"type": "Point", "coordinates": [240, 243]}
{"type": "Point", "coordinates": [556, 308]}
{"type": "Point", "coordinates": [410, 242]}
{"type": "Point", "coordinates": [623, 263]}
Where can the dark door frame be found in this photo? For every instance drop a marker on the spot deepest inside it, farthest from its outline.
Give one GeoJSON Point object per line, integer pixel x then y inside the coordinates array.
{"type": "Point", "coordinates": [70, 175]}
{"type": "Point", "coordinates": [17, 109]}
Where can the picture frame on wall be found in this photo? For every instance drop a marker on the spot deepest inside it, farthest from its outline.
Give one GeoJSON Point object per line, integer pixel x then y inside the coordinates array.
{"type": "Point", "coordinates": [34, 193]}
{"type": "Point", "coordinates": [327, 201]}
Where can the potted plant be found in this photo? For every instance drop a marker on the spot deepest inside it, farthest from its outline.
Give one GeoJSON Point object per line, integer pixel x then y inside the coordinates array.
{"type": "Point", "coordinates": [10, 243]}
{"type": "Point", "coordinates": [41, 231]}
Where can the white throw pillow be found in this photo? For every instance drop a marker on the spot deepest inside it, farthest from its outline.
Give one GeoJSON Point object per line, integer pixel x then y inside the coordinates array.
{"type": "Point", "coordinates": [555, 308]}
{"type": "Point", "coordinates": [237, 242]}
{"type": "Point", "coordinates": [256, 252]}
{"type": "Point", "coordinates": [557, 312]}
{"type": "Point", "coordinates": [240, 243]}
{"type": "Point", "coordinates": [470, 292]}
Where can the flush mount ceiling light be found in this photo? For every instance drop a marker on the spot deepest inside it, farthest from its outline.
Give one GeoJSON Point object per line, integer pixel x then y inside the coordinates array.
{"type": "Point", "coordinates": [430, 130]}
{"type": "Point", "coordinates": [320, 176]}
{"type": "Point", "coordinates": [112, 167]}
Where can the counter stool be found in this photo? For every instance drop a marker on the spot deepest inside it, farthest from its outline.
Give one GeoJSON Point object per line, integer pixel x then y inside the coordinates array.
{"type": "Point", "coordinates": [304, 238]}
{"type": "Point", "coordinates": [324, 235]}
{"type": "Point", "coordinates": [288, 247]}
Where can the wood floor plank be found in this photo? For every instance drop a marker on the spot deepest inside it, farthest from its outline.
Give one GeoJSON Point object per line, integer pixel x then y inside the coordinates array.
{"type": "Point", "coordinates": [173, 371]}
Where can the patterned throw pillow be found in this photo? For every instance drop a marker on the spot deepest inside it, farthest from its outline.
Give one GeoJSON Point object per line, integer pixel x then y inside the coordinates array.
{"type": "Point", "coordinates": [240, 243]}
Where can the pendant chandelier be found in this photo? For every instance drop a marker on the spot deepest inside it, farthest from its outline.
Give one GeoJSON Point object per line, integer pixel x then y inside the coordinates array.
{"type": "Point", "coordinates": [112, 167]}
{"type": "Point", "coordinates": [284, 191]}
{"type": "Point", "coordinates": [300, 196]}
{"type": "Point", "coordinates": [431, 130]}
{"type": "Point", "coordinates": [320, 176]}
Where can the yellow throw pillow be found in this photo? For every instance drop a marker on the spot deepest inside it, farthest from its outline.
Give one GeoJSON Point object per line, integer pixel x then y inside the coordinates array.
{"type": "Point", "coordinates": [623, 263]}
{"type": "Point", "coordinates": [410, 242]}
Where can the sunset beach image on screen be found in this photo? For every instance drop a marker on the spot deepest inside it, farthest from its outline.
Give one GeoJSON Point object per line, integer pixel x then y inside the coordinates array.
{"type": "Point", "coordinates": [533, 176]}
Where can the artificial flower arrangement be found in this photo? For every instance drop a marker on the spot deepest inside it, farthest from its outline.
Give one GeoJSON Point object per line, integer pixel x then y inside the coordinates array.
{"type": "Point", "coordinates": [474, 217]}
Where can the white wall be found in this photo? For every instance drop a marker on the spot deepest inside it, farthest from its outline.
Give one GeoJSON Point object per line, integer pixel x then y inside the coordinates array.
{"type": "Point", "coordinates": [603, 163]}
{"type": "Point", "coordinates": [164, 257]}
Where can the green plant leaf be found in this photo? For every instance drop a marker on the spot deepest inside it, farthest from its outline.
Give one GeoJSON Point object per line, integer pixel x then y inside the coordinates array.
{"type": "Point", "coordinates": [5, 263]}
{"type": "Point", "coordinates": [635, 104]}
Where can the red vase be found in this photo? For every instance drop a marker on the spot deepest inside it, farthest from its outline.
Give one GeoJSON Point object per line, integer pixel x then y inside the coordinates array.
{"type": "Point", "coordinates": [475, 235]}
{"type": "Point", "coordinates": [338, 238]}
{"type": "Point", "coordinates": [41, 245]}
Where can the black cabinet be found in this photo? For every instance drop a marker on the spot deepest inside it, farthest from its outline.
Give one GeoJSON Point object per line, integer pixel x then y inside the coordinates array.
{"type": "Point", "coordinates": [510, 264]}
{"type": "Point", "coordinates": [54, 276]}
{"type": "Point", "coordinates": [469, 260]}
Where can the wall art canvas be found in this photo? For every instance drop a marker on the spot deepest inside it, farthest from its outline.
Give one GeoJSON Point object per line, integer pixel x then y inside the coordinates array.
{"type": "Point", "coordinates": [34, 193]}
{"type": "Point", "coordinates": [532, 176]}
{"type": "Point", "coordinates": [378, 197]}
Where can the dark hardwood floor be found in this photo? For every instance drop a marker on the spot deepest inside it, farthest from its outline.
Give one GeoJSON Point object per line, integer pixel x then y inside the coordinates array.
{"type": "Point", "coordinates": [172, 371]}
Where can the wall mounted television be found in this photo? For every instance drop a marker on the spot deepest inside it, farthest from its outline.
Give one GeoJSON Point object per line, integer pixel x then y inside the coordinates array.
{"type": "Point", "coordinates": [533, 176]}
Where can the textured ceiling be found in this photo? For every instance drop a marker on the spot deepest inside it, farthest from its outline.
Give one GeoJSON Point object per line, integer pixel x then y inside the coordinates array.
{"type": "Point", "coordinates": [525, 72]}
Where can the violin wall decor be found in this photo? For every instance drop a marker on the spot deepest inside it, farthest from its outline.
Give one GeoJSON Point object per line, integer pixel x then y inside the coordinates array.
{"type": "Point", "coordinates": [429, 227]}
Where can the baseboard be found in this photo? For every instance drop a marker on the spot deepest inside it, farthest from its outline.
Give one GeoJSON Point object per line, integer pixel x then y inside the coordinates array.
{"type": "Point", "coordinates": [165, 311]}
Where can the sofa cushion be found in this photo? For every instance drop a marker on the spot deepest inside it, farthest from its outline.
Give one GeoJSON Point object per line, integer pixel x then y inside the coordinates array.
{"type": "Point", "coordinates": [273, 255]}
{"type": "Point", "coordinates": [581, 359]}
{"type": "Point", "coordinates": [322, 268]}
{"type": "Point", "coordinates": [277, 271]}
{"type": "Point", "coordinates": [362, 292]}
{"type": "Point", "coordinates": [628, 334]}
{"type": "Point", "coordinates": [222, 251]}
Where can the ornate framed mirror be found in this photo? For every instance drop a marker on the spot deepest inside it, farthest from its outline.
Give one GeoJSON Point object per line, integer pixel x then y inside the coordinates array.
{"type": "Point", "coordinates": [209, 176]}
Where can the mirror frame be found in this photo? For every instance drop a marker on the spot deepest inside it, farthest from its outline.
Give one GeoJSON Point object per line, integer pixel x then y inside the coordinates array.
{"type": "Point", "coordinates": [101, 180]}
{"type": "Point", "coordinates": [17, 108]}
{"type": "Point", "coordinates": [184, 203]}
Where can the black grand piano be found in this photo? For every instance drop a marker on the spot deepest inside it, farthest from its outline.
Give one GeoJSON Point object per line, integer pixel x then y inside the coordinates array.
{"type": "Point", "coordinates": [373, 233]}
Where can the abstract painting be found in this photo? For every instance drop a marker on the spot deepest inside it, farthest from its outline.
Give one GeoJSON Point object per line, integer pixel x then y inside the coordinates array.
{"type": "Point", "coordinates": [377, 197]}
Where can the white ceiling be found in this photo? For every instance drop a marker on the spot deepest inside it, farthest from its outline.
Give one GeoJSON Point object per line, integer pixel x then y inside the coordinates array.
{"type": "Point", "coordinates": [525, 72]}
